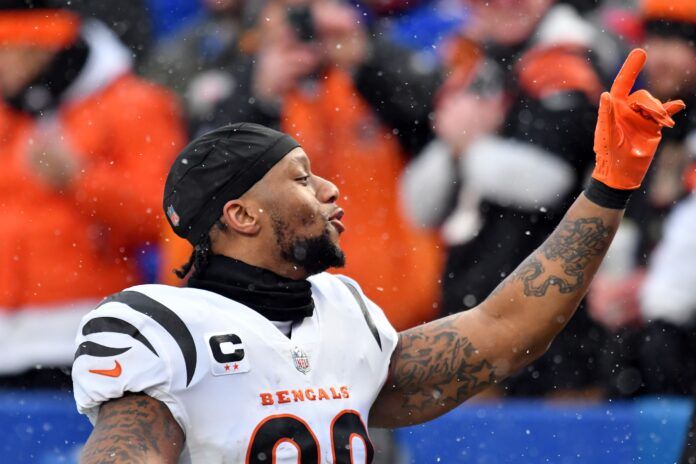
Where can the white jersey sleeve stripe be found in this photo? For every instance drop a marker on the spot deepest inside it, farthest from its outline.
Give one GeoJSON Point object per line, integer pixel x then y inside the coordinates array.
{"type": "Point", "coordinates": [100, 351]}
{"type": "Point", "coordinates": [113, 324]}
{"type": "Point", "coordinates": [166, 318]}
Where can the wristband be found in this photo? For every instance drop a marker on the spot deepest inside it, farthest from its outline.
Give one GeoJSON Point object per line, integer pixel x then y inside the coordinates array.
{"type": "Point", "coordinates": [606, 196]}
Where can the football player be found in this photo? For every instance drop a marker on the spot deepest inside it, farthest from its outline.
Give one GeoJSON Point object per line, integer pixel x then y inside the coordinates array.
{"type": "Point", "coordinates": [265, 358]}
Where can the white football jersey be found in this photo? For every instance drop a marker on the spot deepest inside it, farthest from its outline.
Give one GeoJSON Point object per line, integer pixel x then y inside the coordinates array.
{"type": "Point", "coordinates": [241, 390]}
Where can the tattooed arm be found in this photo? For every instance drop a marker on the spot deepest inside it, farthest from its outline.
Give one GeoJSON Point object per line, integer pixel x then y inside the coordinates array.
{"type": "Point", "coordinates": [437, 366]}
{"type": "Point", "coordinates": [134, 429]}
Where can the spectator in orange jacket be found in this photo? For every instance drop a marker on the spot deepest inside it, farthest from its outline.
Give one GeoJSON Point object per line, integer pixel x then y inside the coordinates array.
{"type": "Point", "coordinates": [84, 150]}
{"type": "Point", "coordinates": [496, 178]}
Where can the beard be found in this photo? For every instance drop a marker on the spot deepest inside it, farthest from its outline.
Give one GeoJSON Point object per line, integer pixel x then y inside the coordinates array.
{"type": "Point", "coordinates": [312, 254]}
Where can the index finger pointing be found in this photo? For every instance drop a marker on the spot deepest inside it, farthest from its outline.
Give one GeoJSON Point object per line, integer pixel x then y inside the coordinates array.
{"type": "Point", "coordinates": [624, 81]}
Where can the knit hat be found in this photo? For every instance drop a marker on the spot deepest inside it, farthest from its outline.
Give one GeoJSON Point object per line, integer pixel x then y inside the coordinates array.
{"type": "Point", "coordinates": [672, 18]}
{"type": "Point", "coordinates": [37, 23]}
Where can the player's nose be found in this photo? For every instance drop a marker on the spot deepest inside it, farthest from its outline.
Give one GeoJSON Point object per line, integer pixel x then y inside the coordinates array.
{"type": "Point", "coordinates": [327, 192]}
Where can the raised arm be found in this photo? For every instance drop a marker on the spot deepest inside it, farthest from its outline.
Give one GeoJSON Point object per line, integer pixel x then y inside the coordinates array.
{"type": "Point", "coordinates": [134, 429]}
{"type": "Point", "coordinates": [437, 366]}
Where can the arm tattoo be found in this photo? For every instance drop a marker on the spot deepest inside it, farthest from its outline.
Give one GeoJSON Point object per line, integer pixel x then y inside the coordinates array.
{"type": "Point", "coordinates": [437, 367]}
{"type": "Point", "coordinates": [573, 246]}
{"type": "Point", "coordinates": [133, 429]}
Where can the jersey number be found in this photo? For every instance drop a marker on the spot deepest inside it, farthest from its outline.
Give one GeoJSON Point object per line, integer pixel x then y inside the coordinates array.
{"type": "Point", "coordinates": [286, 428]}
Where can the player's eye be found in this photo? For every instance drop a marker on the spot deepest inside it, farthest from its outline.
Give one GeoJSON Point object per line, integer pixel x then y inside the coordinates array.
{"type": "Point", "coordinates": [303, 180]}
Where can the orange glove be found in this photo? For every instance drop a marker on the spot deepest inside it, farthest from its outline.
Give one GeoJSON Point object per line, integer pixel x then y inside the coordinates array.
{"type": "Point", "coordinates": [629, 128]}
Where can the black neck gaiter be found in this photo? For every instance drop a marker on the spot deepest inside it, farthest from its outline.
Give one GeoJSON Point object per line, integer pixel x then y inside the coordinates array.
{"type": "Point", "coordinates": [275, 297]}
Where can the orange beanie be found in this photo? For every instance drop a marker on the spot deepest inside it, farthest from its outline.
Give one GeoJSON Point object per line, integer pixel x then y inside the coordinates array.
{"type": "Point", "coordinates": [670, 10]}
{"type": "Point", "coordinates": [46, 28]}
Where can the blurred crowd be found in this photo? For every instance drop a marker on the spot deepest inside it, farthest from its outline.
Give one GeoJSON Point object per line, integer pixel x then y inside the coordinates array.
{"type": "Point", "coordinates": [458, 132]}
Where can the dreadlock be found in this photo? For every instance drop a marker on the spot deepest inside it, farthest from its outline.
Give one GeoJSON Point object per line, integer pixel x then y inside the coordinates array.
{"type": "Point", "coordinates": [200, 255]}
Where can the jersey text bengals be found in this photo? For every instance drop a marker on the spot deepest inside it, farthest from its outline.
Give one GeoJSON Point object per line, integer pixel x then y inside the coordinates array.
{"type": "Point", "coordinates": [304, 394]}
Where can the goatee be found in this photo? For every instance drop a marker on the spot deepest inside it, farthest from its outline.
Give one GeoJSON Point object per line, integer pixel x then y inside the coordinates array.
{"type": "Point", "coordinates": [312, 254]}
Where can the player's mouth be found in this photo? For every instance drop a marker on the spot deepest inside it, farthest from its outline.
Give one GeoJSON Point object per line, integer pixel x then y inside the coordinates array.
{"type": "Point", "coordinates": [335, 220]}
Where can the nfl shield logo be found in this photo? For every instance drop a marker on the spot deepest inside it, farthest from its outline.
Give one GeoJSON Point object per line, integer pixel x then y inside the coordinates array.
{"type": "Point", "coordinates": [301, 360]}
{"type": "Point", "coordinates": [171, 212]}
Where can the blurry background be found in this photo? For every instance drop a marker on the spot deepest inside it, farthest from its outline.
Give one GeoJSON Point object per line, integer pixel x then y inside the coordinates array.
{"type": "Point", "coordinates": [458, 132]}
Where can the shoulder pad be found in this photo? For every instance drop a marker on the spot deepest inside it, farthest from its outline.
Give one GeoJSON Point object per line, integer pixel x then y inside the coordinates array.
{"type": "Point", "coordinates": [160, 314]}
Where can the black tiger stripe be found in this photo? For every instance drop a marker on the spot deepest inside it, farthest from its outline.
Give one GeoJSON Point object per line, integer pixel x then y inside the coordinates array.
{"type": "Point", "coordinates": [101, 351]}
{"type": "Point", "coordinates": [366, 313]}
{"type": "Point", "coordinates": [164, 317]}
{"type": "Point", "coordinates": [113, 324]}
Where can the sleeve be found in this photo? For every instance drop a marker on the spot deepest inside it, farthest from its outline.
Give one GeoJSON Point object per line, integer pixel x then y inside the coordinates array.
{"type": "Point", "coordinates": [517, 173]}
{"type": "Point", "coordinates": [384, 333]}
{"type": "Point", "coordinates": [429, 185]}
{"type": "Point", "coordinates": [120, 350]}
{"type": "Point", "coordinates": [668, 292]}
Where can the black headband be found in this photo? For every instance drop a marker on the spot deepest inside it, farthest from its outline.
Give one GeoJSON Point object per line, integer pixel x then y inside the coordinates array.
{"type": "Point", "coordinates": [217, 167]}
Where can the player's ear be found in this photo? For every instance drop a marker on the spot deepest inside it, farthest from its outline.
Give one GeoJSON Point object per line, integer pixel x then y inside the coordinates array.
{"type": "Point", "coordinates": [240, 216]}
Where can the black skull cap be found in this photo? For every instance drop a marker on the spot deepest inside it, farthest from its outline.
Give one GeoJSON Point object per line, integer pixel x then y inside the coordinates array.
{"type": "Point", "coordinates": [217, 167]}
